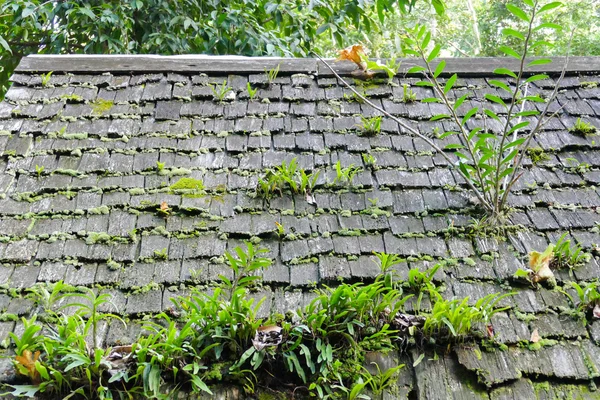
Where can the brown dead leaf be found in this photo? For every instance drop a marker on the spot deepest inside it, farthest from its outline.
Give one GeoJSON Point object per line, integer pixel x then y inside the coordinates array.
{"type": "Point", "coordinates": [489, 329]}
{"type": "Point", "coordinates": [267, 336]}
{"type": "Point", "coordinates": [539, 263]}
{"type": "Point", "coordinates": [535, 336]}
{"type": "Point", "coordinates": [354, 53]}
{"type": "Point", "coordinates": [27, 362]}
{"type": "Point", "coordinates": [596, 311]}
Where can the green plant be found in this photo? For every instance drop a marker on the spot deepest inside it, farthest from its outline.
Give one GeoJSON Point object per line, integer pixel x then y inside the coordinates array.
{"type": "Point", "coordinates": [567, 255]}
{"type": "Point", "coordinates": [244, 267]}
{"type": "Point", "coordinates": [370, 126]}
{"type": "Point", "coordinates": [346, 174]}
{"type": "Point", "coordinates": [160, 166]}
{"type": "Point", "coordinates": [220, 91]}
{"type": "Point", "coordinates": [369, 160]}
{"type": "Point", "coordinates": [39, 170]}
{"type": "Point", "coordinates": [251, 92]}
{"type": "Point", "coordinates": [577, 166]}
{"type": "Point", "coordinates": [287, 175]}
{"type": "Point", "coordinates": [455, 318]}
{"type": "Point", "coordinates": [161, 254]}
{"type": "Point", "coordinates": [582, 128]}
{"type": "Point", "coordinates": [588, 296]}
{"type": "Point", "coordinates": [392, 67]}
{"type": "Point", "coordinates": [188, 187]}
{"type": "Point", "coordinates": [490, 162]}
{"type": "Point", "coordinates": [46, 78]}
{"type": "Point", "coordinates": [382, 379]}
{"type": "Point", "coordinates": [408, 95]}
{"type": "Point", "coordinates": [272, 74]}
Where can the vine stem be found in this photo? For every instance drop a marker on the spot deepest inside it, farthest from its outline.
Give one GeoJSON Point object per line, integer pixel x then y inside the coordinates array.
{"type": "Point", "coordinates": [411, 130]}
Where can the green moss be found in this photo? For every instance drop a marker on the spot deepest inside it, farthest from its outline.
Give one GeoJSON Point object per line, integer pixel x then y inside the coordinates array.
{"type": "Point", "coordinates": [541, 343]}
{"type": "Point", "coordinates": [537, 155]}
{"type": "Point", "coordinates": [97, 237]}
{"type": "Point", "coordinates": [64, 171]}
{"type": "Point", "coordinates": [188, 187]}
{"type": "Point", "coordinates": [100, 106]}
{"type": "Point", "coordinates": [102, 210]}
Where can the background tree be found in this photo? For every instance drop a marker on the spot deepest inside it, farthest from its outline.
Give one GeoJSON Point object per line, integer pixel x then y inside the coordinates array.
{"type": "Point", "coordinates": [241, 27]}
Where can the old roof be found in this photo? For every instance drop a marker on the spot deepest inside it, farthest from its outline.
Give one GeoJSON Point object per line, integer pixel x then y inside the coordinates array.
{"type": "Point", "coordinates": [88, 157]}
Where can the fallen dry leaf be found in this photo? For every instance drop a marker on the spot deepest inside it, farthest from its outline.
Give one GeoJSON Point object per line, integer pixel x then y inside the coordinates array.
{"type": "Point", "coordinates": [539, 263]}
{"type": "Point", "coordinates": [267, 336]}
{"type": "Point", "coordinates": [596, 311]}
{"type": "Point", "coordinates": [27, 361]}
{"type": "Point", "coordinates": [535, 336]}
{"type": "Point", "coordinates": [355, 53]}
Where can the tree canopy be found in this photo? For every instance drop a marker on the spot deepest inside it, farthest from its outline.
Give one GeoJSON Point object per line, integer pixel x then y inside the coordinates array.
{"type": "Point", "coordinates": [242, 27]}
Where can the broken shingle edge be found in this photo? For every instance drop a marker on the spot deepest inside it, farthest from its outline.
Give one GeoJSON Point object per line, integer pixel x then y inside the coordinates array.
{"type": "Point", "coordinates": [118, 64]}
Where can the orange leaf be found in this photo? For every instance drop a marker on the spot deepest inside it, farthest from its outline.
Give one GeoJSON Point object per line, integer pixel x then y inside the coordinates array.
{"type": "Point", "coordinates": [27, 360]}
{"type": "Point", "coordinates": [353, 53]}
{"type": "Point", "coordinates": [164, 207]}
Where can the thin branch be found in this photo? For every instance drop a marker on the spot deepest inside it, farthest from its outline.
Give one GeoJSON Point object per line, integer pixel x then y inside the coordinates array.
{"type": "Point", "coordinates": [540, 124]}
{"type": "Point", "coordinates": [407, 127]}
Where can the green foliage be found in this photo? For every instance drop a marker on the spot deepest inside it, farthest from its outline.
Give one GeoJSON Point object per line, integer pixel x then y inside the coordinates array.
{"type": "Point", "coordinates": [215, 336]}
{"type": "Point", "coordinates": [369, 160]}
{"type": "Point", "coordinates": [272, 74]}
{"type": "Point", "coordinates": [455, 318]}
{"type": "Point", "coordinates": [39, 170]}
{"type": "Point", "coordinates": [490, 162]}
{"type": "Point", "coordinates": [251, 92]}
{"type": "Point", "coordinates": [567, 255]}
{"type": "Point", "coordinates": [258, 28]}
{"type": "Point", "coordinates": [370, 126]}
{"type": "Point", "coordinates": [161, 254]}
{"type": "Point", "coordinates": [46, 78]}
{"type": "Point", "coordinates": [582, 128]}
{"type": "Point", "coordinates": [345, 175]}
{"type": "Point", "coordinates": [588, 298]}
{"type": "Point", "coordinates": [286, 176]}
{"type": "Point", "coordinates": [220, 91]}
{"type": "Point", "coordinates": [160, 166]}
{"type": "Point", "coordinates": [408, 96]}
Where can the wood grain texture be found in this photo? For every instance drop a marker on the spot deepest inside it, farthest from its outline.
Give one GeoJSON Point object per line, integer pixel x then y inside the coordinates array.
{"type": "Point", "coordinates": [482, 66]}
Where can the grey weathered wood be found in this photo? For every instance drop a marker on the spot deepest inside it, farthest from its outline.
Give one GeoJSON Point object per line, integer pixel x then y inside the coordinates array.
{"type": "Point", "coordinates": [244, 65]}
{"type": "Point", "coordinates": [147, 64]}
{"type": "Point", "coordinates": [479, 66]}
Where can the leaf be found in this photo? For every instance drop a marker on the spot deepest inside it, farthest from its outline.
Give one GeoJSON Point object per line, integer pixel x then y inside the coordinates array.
{"type": "Point", "coordinates": [548, 25]}
{"type": "Point", "coordinates": [27, 360]}
{"type": "Point", "coordinates": [510, 52]}
{"type": "Point", "coordinates": [513, 33]}
{"type": "Point", "coordinates": [517, 12]}
{"type": "Point", "coordinates": [453, 146]}
{"type": "Point", "coordinates": [469, 114]}
{"type": "Point", "coordinates": [5, 45]}
{"type": "Point", "coordinates": [87, 12]}
{"type": "Point", "coordinates": [322, 28]}
{"type": "Point", "coordinates": [550, 6]}
{"type": "Point", "coordinates": [199, 383]}
{"type": "Point", "coordinates": [537, 77]}
{"type": "Point", "coordinates": [419, 359]}
{"type": "Point", "coordinates": [450, 83]}
{"type": "Point", "coordinates": [535, 336]}
{"type": "Point", "coordinates": [439, 6]}
{"type": "Point", "coordinates": [495, 99]}
{"type": "Point", "coordinates": [27, 11]}
{"type": "Point", "coordinates": [24, 390]}
{"type": "Point", "coordinates": [415, 69]}
{"type": "Point", "coordinates": [424, 83]}
{"type": "Point", "coordinates": [434, 53]}
{"type": "Point", "coordinates": [541, 61]}
{"type": "Point", "coordinates": [505, 71]}
{"type": "Point", "coordinates": [354, 53]}
{"type": "Point", "coordinates": [459, 101]}
{"type": "Point", "coordinates": [501, 85]}
{"type": "Point", "coordinates": [439, 69]}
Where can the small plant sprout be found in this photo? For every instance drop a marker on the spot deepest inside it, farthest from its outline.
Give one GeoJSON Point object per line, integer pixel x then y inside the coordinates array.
{"type": "Point", "coordinates": [220, 92]}
{"type": "Point", "coordinates": [251, 92]}
{"type": "Point", "coordinates": [280, 229]}
{"type": "Point", "coordinates": [164, 210]}
{"type": "Point", "coordinates": [370, 126]}
{"type": "Point", "coordinates": [272, 74]}
{"type": "Point", "coordinates": [345, 175]}
{"type": "Point", "coordinates": [46, 78]}
{"type": "Point", "coordinates": [393, 66]}
{"type": "Point", "coordinates": [369, 160]}
{"type": "Point", "coordinates": [588, 298]}
{"type": "Point", "coordinates": [539, 268]}
{"type": "Point", "coordinates": [160, 166]}
{"type": "Point", "coordinates": [567, 255]}
{"type": "Point", "coordinates": [287, 176]}
{"type": "Point", "coordinates": [408, 96]}
{"type": "Point", "coordinates": [161, 254]}
{"type": "Point", "coordinates": [582, 128]}
{"type": "Point", "coordinates": [39, 170]}
{"type": "Point", "coordinates": [245, 266]}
